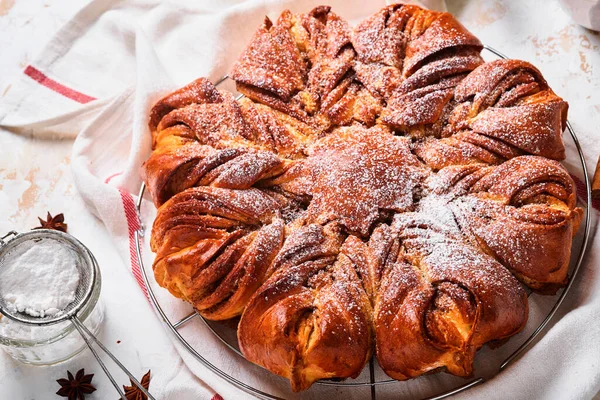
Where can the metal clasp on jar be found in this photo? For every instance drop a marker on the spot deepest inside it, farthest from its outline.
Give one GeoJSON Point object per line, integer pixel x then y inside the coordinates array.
{"type": "Point", "coordinates": [11, 233]}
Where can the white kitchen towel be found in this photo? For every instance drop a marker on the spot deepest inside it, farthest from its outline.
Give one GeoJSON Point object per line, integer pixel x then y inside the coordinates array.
{"type": "Point", "coordinates": [96, 81]}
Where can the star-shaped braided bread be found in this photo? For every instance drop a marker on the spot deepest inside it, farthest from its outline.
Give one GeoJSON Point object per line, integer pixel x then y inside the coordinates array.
{"type": "Point", "coordinates": [377, 187]}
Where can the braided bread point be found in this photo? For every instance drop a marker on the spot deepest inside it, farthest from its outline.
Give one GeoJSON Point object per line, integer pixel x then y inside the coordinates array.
{"type": "Point", "coordinates": [214, 247]}
{"type": "Point", "coordinates": [301, 66]}
{"type": "Point", "coordinates": [312, 319]}
{"type": "Point", "coordinates": [439, 300]}
{"type": "Point", "coordinates": [504, 109]}
{"type": "Point", "coordinates": [514, 211]}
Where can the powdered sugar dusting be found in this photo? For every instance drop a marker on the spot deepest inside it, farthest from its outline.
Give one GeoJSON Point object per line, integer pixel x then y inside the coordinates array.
{"type": "Point", "coordinates": [40, 280]}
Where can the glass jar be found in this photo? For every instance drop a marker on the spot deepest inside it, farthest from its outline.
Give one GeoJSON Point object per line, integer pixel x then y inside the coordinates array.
{"type": "Point", "coordinates": [51, 344]}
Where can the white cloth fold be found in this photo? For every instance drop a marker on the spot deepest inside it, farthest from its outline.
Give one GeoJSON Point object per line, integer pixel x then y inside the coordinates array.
{"type": "Point", "coordinates": [96, 80]}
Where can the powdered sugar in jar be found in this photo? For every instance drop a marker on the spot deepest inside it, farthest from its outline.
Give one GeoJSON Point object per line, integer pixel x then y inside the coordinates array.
{"type": "Point", "coordinates": [40, 275]}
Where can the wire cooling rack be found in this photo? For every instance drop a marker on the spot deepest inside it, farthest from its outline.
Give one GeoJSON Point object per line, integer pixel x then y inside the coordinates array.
{"type": "Point", "coordinates": [229, 340]}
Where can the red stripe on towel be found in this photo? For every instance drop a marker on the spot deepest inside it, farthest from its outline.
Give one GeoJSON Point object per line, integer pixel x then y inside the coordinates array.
{"type": "Point", "coordinates": [133, 225]}
{"type": "Point", "coordinates": [217, 396]}
{"type": "Point", "coordinates": [51, 84]}
{"type": "Point", "coordinates": [110, 178]}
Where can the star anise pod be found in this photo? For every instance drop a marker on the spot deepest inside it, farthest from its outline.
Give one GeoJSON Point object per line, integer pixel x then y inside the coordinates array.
{"type": "Point", "coordinates": [57, 223]}
{"type": "Point", "coordinates": [75, 388]}
{"type": "Point", "coordinates": [133, 392]}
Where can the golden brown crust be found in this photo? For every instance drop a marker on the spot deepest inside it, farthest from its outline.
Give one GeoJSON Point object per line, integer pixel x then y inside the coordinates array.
{"type": "Point", "coordinates": [516, 211]}
{"type": "Point", "coordinates": [312, 319]}
{"type": "Point", "coordinates": [199, 91]}
{"type": "Point", "coordinates": [378, 187]}
{"type": "Point", "coordinates": [440, 300]}
{"type": "Point", "coordinates": [504, 109]}
{"type": "Point", "coordinates": [214, 246]}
